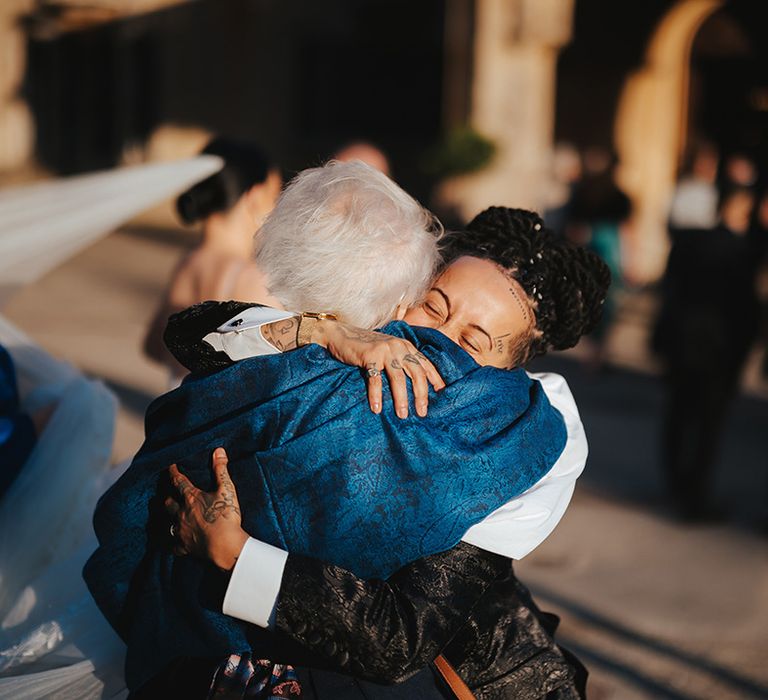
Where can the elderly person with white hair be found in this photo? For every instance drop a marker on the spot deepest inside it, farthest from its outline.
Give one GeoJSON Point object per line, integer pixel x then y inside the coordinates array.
{"type": "Point", "coordinates": [346, 239]}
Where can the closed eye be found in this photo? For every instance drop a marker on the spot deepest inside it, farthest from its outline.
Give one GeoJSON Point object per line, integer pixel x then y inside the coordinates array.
{"type": "Point", "coordinates": [470, 344]}
{"type": "Point", "coordinates": [432, 310]}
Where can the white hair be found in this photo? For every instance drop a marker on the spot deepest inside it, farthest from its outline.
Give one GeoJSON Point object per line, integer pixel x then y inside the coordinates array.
{"type": "Point", "coordinates": [345, 239]}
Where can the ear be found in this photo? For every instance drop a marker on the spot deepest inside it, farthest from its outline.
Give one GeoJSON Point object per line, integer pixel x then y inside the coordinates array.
{"type": "Point", "coordinates": [400, 312]}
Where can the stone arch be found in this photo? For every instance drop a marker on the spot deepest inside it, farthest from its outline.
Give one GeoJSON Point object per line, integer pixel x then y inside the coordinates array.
{"type": "Point", "coordinates": [650, 131]}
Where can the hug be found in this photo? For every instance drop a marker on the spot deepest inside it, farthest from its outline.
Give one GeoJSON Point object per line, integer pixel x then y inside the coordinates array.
{"type": "Point", "coordinates": [344, 545]}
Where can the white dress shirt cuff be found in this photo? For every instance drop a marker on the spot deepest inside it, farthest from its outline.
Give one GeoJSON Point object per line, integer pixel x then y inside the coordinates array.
{"type": "Point", "coordinates": [241, 336]}
{"type": "Point", "coordinates": [255, 583]}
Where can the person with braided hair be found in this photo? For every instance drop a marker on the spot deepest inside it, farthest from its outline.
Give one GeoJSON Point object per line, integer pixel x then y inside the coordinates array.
{"type": "Point", "coordinates": [510, 291]}
{"type": "Point", "coordinates": [565, 285]}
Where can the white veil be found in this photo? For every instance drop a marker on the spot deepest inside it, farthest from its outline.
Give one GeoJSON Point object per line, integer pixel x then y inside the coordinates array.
{"type": "Point", "coordinates": [53, 640]}
{"type": "Point", "coordinates": [43, 224]}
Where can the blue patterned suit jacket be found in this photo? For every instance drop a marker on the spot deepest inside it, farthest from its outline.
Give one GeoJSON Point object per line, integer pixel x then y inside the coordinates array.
{"type": "Point", "coordinates": [317, 473]}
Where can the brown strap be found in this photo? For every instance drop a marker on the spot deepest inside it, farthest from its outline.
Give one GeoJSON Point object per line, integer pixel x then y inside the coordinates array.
{"type": "Point", "coordinates": [459, 688]}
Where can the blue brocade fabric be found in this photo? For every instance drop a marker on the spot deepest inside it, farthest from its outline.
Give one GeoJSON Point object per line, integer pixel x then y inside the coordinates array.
{"type": "Point", "coordinates": [318, 474]}
{"type": "Point", "coordinates": [17, 432]}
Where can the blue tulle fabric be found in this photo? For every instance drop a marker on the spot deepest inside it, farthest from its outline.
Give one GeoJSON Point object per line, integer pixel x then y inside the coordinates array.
{"type": "Point", "coordinates": [317, 473]}
{"type": "Point", "coordinates": [17, 433]}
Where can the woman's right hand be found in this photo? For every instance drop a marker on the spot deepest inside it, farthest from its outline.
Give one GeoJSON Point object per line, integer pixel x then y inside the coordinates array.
{"type": "Point", "coordinates": [376, 353]}
{"type": "Point", "coordinates": [207, 525]}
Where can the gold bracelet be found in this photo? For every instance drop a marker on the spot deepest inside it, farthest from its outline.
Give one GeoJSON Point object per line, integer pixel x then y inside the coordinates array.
{"type": "Point", "coordinates": [307, 322]}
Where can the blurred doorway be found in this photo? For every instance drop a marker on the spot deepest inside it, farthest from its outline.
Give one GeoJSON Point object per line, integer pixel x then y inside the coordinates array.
{"type": "Point", "coordinates": [705, 77]}
{"type": "Point", "coordinates": [650, 131]}
{"type": "Point", "coordinates": [728, 100]}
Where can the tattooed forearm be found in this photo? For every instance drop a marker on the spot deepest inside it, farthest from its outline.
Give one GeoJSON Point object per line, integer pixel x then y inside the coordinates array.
{"type": "Point", "coordinates": [282, 334]}
{"type": "Point", "coordinates": [353, 333]}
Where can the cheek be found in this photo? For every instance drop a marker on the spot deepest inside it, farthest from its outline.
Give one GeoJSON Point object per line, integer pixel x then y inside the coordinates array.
{"type": "Point", "coordinates": [417, 317]}
{"type": "Point", "coordinates": [493, 360]}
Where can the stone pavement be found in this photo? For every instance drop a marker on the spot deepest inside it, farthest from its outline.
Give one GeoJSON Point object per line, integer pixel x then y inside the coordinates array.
{"type": "Point", "coordinates": [655, 608]}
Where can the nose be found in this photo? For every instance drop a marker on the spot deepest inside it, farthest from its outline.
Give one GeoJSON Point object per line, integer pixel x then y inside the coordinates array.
{"type": "Point", "coordinates": [448, 328]}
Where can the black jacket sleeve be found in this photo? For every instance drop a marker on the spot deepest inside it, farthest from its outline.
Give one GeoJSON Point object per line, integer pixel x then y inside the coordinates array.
{"type": "Point", "coordinates": [185, 331]}
{"type": "Point", "coordinates": [384, 631]}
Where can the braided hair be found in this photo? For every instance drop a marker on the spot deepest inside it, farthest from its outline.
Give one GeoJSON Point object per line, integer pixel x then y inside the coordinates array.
{"type": "Point", "coordinates": [566, 284]}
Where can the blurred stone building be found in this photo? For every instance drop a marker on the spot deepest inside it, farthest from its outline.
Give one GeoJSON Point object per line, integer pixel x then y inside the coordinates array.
{"type": "Point", "coordinates": [87, 84]}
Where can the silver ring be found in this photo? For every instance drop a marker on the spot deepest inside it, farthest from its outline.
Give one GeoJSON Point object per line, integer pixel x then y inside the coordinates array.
{"type": "Point", "coordinates": [173, 531]}
{"type": "Point", "coordinates": [373, 372]}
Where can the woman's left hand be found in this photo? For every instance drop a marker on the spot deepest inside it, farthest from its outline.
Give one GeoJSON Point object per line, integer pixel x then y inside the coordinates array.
{"type": "Point", "coordinates": [379, 353]}
{"type": "Point", "coordinates": [207, 525]}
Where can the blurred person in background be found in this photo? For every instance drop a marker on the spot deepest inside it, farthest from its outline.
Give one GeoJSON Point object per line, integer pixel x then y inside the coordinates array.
{"type": "Point", "coordinates": [565, 176]}
{"type": "Point", "coordinates": [231, 204]}
{"type": "Point", "coordinates": [707, 323]}
{"type": "Point", "coordinates": [761, 232]}
{"type": "Point", "coordinates": [599, 209]}
{"type": "Point", "coordinates": [694, 201]}
{"type": "Point", "coordinates": [739, 170]}
{"type": "Point", "coordinates": [366, 152]}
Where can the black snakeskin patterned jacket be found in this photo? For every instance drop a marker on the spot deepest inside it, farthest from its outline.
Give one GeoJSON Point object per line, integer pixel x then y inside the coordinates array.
{"type": "Point", "coordinates": [465, 603]}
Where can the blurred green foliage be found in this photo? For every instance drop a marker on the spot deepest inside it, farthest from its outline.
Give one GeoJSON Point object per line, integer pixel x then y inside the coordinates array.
{"type": "Point", "coordinates": [463, 150]}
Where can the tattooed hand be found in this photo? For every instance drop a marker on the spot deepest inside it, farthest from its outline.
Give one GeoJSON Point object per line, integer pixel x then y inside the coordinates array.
{"type": "Point", "coordinates": [371, 351]}
{"type": "Point", "coordinates": [376, 353]}
{"type": "Point", "coordinates": [207, 525]}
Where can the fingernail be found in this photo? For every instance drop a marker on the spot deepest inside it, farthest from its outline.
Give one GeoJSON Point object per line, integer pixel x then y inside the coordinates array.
{"type": "Point", "coordinates": [376, 407]}
{"type": "Point", "coordinates": [219, 452]}
{"type": "Point", "coordinates": [421, 409]}
{"type": "Point", "coordinates": [402, 411]}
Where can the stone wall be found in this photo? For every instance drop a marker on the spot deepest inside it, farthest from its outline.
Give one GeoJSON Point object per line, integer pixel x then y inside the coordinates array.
{"type": "Point", "coordinates": [16, 127]}
{"type": "Point", "coordinates": [515, 54]}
